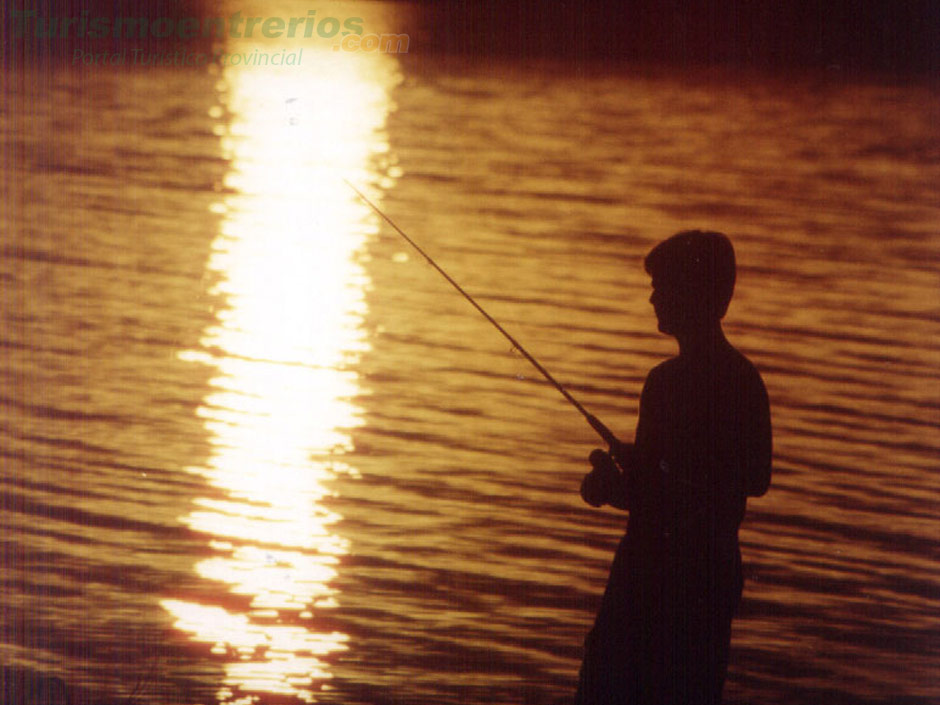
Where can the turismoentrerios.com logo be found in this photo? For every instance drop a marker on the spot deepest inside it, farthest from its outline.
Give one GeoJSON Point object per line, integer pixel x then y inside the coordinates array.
{"type": "Point", "coordinates": [346, 34]}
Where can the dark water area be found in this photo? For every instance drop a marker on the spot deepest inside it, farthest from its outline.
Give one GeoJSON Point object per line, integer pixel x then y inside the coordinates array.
{"type": "Point", "coordinates": [254, 450]}
{"type": "Point", "coordinates": [841, 35]}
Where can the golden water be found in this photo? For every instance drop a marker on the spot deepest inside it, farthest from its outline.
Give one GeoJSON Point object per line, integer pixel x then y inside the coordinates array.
{"type": "Point", "coordinates": [255, 450]}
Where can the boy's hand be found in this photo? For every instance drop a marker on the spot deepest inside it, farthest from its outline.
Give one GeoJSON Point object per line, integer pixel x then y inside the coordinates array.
{"type": "Point", "coordinates": [598, 485]}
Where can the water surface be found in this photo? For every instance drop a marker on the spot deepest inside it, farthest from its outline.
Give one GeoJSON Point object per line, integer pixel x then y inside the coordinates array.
{"type": "Point", "coordinates": [255, 450]}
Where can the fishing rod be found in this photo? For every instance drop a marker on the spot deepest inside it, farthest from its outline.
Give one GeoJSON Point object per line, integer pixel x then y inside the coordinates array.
{"type": "Point", "coordinates": [604, 432]}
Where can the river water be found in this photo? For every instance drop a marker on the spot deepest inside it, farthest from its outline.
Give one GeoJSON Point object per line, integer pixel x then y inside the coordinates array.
{"type": "Point", "coordinates": [255, 450]}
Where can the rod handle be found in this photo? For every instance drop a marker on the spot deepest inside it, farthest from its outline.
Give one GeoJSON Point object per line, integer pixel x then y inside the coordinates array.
{"type": "Point", "coordinates": [604, 432]}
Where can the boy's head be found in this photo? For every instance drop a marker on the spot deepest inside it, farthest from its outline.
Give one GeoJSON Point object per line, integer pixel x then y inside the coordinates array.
{"type": "Point", "coordinates": [693, 278]}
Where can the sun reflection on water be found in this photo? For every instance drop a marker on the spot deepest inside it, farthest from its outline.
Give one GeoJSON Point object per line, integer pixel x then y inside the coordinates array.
{"type": "Point", "coordinates": [280, 408]}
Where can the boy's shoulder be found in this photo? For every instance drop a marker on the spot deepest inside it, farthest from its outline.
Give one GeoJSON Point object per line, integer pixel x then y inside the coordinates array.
{"type": "Point", "coordinates": [736, 359]}
{"type": "Point", "coordinates": [664, 369]}
{"type": "Point", "coordinates": [744, 370]}
{"type": "Point", "coordinates": [732, 364]}
{"type": "Point", "coordinates": [662, 374]}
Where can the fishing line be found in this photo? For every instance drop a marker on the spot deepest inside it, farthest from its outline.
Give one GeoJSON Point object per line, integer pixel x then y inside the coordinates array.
{"type": "Point", "coordinates": [600, 428]}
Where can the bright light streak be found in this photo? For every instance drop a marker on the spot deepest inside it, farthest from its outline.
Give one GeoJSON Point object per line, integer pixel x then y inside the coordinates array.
{"type": "Point", "coordinates": [281, 407]}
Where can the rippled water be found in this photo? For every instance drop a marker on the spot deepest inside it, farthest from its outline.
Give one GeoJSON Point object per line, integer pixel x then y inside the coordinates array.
{"type": "Point", "coordinates": [255, 450]}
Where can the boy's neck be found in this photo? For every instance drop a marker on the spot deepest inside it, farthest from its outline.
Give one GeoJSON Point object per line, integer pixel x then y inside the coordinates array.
{"type": "Point", "coordinates": [701, 343]}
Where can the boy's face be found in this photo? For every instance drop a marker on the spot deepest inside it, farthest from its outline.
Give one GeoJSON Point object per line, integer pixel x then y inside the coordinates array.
{"type": "Point", "coordinates": [675, 312]}
{"type": "Point", "coordinates": [664, 305]}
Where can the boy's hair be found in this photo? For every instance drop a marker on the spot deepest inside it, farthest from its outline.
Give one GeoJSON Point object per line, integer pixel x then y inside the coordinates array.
{"type": "Point", "coordinates": [699, 264]}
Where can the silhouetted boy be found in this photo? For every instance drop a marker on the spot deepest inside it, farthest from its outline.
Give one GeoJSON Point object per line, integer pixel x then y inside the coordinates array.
{"type": "Point", "coordinates": [702, 446]}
